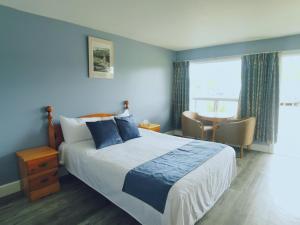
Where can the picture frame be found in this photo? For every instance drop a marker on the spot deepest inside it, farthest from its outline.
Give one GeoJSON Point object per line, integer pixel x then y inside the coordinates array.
{"type": "Point", "coordinates": [101, 58]}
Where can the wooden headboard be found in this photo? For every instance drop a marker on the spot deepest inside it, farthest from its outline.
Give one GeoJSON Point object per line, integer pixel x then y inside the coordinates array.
{"type": "Point", "coordinates": [54, 130]}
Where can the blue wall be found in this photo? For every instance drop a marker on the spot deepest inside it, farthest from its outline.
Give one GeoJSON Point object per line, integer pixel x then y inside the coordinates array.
{"type": "Point", "coordinates": [244, 48]}
{"type": "Point", "coordinates": [44, 61]}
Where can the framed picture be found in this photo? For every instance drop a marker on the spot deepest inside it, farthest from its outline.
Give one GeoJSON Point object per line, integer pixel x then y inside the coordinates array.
{"type": "Point", "coordinates": [101, 58]}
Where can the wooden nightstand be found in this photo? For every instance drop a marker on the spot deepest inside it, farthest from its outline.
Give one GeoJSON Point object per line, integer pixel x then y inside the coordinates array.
{"type": "Point", "coordinates": [150, 126]}
{"type": "Point", "coordinates": [39, 171]}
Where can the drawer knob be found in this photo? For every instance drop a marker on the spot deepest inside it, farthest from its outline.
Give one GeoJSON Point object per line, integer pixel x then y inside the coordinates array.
{"type": "Point", "coordinates": [44, 180]}
{"type": "Point", "coordinates": [43, 165]}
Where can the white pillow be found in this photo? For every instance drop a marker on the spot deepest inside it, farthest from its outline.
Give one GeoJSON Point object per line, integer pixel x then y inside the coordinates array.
{"type": "Point", "coordinates": [75, 129]}
{"type": "Point", "coordinates": [124, 114]}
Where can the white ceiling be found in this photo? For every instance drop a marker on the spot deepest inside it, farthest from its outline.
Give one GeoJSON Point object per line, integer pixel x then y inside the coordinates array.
{"type": "Point", "coordinates": [175, 24]}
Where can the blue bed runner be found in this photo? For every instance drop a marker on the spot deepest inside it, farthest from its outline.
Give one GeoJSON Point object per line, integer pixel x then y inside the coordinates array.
{"type": "Point", "coordinates": [151, 181]}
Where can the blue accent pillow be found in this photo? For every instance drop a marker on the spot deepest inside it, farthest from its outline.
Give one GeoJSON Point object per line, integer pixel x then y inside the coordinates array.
{"type": "Point", "coordinates": [127, 127]}
{"type": "Point", "coordinates": [104, 133]}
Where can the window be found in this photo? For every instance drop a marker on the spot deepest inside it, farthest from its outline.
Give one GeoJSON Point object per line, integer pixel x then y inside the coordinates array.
{"type": "Point", "coordinates": [289, 110]}
{"type": "Point", "coordinates": [215, 86]}
{"type": "Point", "coordinates": [290, 79]}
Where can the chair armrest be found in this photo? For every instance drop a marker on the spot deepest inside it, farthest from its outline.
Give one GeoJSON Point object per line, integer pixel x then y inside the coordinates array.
{"type": "Point", "coordinates": [191, 127]}
{"type": "Point", "coordinates": [239, 132]}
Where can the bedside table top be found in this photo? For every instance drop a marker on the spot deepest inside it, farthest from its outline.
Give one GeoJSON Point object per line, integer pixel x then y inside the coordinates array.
{"type": "Point", "coordinates": [36, 153]}
{"type": "Point", "coordinates": [149, 126]}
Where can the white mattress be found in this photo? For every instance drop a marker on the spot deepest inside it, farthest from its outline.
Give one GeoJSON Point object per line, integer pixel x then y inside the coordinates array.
{"type": "Point", "coordinates": [188, 200]}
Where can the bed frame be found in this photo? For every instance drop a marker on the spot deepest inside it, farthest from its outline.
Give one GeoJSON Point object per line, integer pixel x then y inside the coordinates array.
{"type": "Point", "coordinates": [54, 130]}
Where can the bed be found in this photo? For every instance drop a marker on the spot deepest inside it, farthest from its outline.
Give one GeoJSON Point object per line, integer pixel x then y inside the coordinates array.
{"type": "Point", "coordinates": [105, 171]}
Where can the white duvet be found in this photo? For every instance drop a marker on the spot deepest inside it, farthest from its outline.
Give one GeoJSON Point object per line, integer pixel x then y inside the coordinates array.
{"type": "Point", "coordinates": [188, 200]}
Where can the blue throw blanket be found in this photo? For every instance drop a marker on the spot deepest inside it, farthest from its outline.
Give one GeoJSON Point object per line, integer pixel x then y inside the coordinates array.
{"type": "Point", "coordinates": [151, 181]}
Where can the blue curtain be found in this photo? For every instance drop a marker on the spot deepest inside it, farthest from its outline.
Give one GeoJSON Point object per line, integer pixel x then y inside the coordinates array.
{"type": "Point", "coordinates": [181, 91]}
{"type": "Point", "coordinates": [260, 94]}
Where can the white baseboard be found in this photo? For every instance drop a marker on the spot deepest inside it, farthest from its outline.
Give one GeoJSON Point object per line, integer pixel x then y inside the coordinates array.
{"type": "Point", "coordinates": [15, 186]}
{"type": "Point", "coordinates": [262, 148]}
{"type": "Point", "coordinates": [174, 132]}
{"type": "Point", "coordinates": [10, 188]}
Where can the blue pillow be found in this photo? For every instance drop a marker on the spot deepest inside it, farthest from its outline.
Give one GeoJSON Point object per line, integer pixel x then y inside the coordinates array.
{"type": "Point", "coordinates": [127, 128]}
{"type": "Point", "coordinates": [104, 133]}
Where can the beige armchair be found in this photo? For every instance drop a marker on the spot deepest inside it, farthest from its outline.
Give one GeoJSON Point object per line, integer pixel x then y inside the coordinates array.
{"type": "Point", "coordinates": [237, 132]}
{"type": "Point", "coordinates": [193, 127]}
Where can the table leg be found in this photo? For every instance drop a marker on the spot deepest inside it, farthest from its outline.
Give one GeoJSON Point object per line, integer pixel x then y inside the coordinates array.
{"type": "Point", "coordinates": [214, 131]}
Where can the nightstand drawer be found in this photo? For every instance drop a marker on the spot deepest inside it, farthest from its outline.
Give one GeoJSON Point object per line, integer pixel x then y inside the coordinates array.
{"type": "Point", "coordinates": [45, 191]}
{"type": "Point", "coordinates": [38, 170]}
{"type": "Point", "coordinates": [43, 179]}
{"type": "Point", "coordinates": [40, 165]}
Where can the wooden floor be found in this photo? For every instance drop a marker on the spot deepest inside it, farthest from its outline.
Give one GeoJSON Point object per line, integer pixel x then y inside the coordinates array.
{"type": "Point", "coordinates": [265, 192]}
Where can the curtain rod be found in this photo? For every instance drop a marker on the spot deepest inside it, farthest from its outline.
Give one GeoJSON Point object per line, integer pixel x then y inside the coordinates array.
{"type": "Point", "coordinates": [241, 55]}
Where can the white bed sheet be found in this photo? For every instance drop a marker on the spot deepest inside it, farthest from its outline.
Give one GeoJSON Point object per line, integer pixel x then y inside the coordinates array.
{"type": "Point", "coordinates": [188, 200]}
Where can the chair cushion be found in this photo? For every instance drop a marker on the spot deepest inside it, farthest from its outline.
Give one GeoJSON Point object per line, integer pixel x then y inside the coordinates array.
{"type": "Point", "coordinates": [208, 128]}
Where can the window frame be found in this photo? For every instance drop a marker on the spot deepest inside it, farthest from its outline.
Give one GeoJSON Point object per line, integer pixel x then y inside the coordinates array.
{"type": "Point", "coordinates": [215, 100]}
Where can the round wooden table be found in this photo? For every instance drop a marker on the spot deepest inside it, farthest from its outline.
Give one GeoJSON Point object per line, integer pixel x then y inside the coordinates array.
{"type": "Point", "coordinates": [215, 118]}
